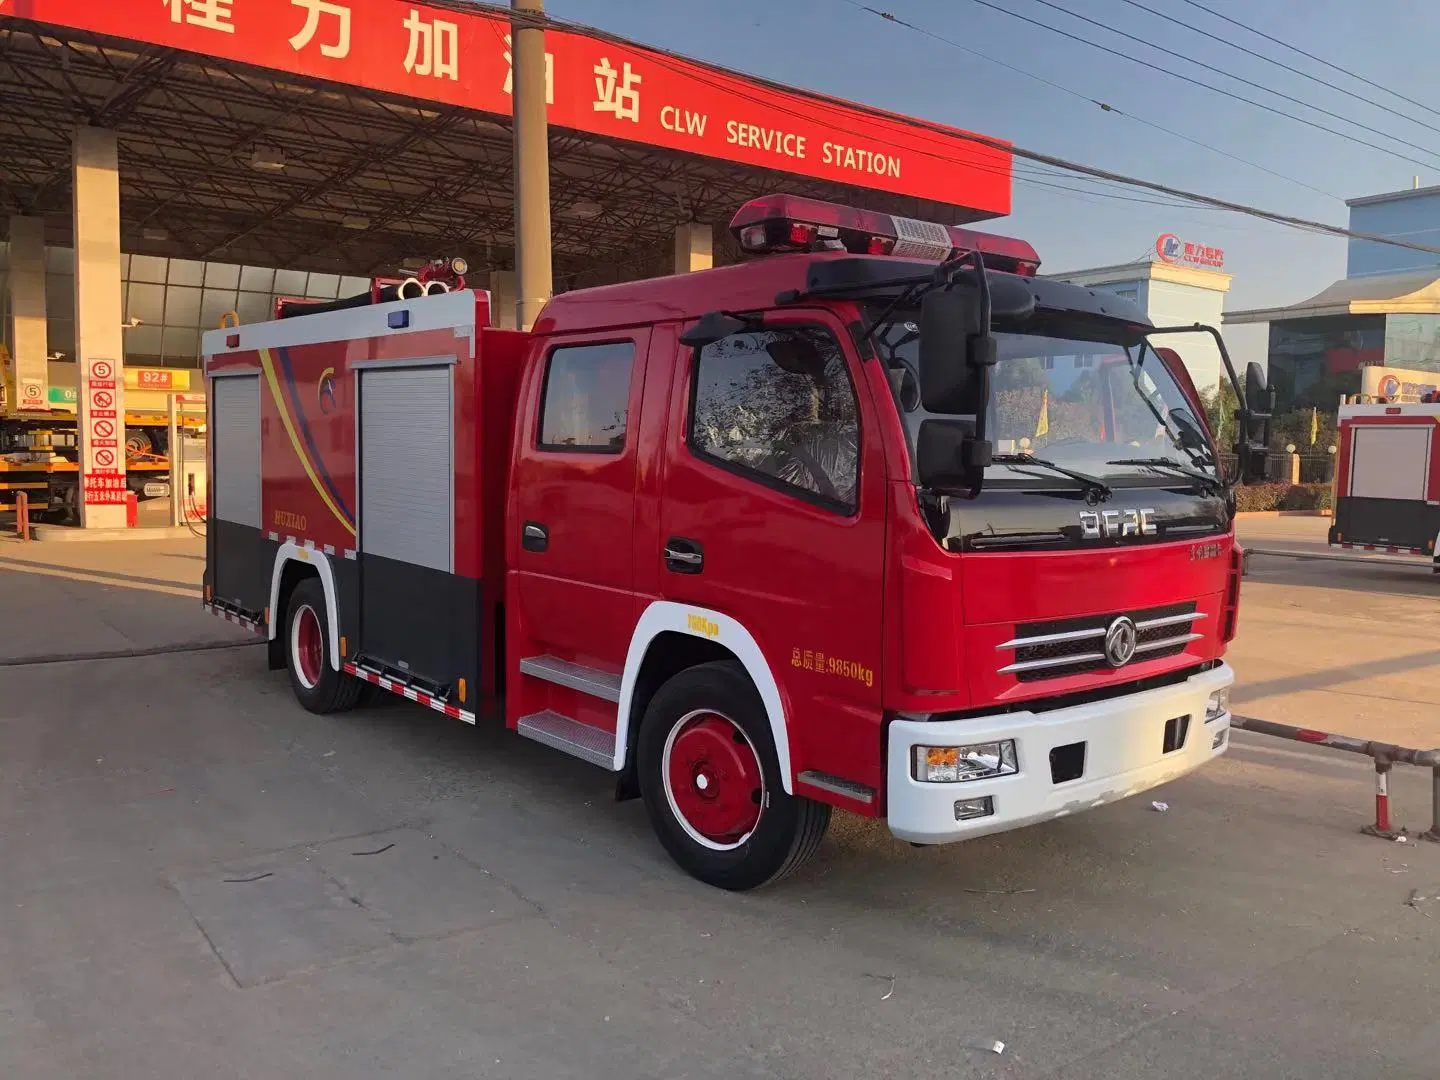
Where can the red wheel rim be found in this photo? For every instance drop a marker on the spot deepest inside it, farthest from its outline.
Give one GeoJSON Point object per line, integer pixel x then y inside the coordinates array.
{"type": "Point", "coordinates": [308, 646]}
{"type": "Point", "coordinates": [713, 780]}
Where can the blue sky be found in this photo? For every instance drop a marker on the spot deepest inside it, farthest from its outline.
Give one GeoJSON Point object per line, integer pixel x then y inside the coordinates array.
{"type": "Point", "coordinates": [829, 45]}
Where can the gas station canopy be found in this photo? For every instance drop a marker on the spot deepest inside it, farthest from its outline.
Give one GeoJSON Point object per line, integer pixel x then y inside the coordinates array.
{"type": "Point", "coordinates": [351, 135]}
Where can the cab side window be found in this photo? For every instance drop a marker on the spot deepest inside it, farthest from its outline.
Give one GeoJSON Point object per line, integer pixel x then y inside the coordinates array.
{"type": "Point", "coordinates": [778, 406]}
{"type": "Point", "coordinates": [586, 402]}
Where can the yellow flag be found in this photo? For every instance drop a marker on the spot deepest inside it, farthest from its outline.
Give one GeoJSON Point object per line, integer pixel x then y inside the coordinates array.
{"type": "Point", "coordinates": [1314, 425]}
{"type": "Point", "coordinates": [1042, 426]}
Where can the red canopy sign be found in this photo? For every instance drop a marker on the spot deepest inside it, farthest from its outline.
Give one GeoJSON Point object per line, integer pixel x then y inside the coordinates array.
{"type": "Point", "coordinates": [625, 92]}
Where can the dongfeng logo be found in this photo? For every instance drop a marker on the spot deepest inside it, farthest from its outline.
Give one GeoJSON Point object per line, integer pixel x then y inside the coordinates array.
{"type": "Point", "coordinates": [1120, 640]}
{"type": "Point", "coordinates": [1109, 524]}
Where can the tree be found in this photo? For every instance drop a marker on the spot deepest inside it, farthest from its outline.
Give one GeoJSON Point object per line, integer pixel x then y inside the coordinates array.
{"type": "Point", "coordinates": [1220, 404]}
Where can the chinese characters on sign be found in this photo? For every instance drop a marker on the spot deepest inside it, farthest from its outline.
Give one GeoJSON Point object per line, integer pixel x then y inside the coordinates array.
{"type": "Point", "coordinates": [104, 490]}
{"type": "Point", "coordinates": [208, 14]}
{"type": "Point", "coordinates": [1169, 248]}
{"type": "Point", "coordinates": [617, 92]}
{"type": "Point", "coordinates": [104, 471]}
{"type": "Point", "coordinates": [434, 47]}
{"type": "Point", "coordinates": [413, 48]}
{"type": "Point", "coordinates": [339, 45]}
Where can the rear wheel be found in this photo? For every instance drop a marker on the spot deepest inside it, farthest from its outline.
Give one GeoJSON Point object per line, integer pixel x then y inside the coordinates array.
{"type": "Point", "coordinates": [711, 782]}
{"type": "Point", "coordinates": [317, 685]}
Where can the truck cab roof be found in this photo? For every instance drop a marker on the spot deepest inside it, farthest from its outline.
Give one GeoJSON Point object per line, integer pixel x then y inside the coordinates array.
{"type": "Point", "coordinates": [774, 280]}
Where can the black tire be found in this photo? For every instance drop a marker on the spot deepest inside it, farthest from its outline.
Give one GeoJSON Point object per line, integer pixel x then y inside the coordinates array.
{"type": "Point", "coordinates": [789, 828]}
{"type": "Point", "coordinates": [318, 687]}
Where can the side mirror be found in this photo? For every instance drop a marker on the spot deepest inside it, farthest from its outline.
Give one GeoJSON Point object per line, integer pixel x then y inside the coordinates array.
{"type": "Point", "coordinates": [953, 344]}
{"type": "Point", "coordinates": [712, 326]}
{"type": "Point", "coordinates": [1255, 412]}
{"type": "Point", "coordinates": [948, 458]}
{"type": "Point", "coordinates": [1257, 393]}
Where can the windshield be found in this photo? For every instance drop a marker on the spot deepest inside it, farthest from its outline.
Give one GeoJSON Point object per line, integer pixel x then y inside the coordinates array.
{"type": "Point", "coordinates": [1111, 411]}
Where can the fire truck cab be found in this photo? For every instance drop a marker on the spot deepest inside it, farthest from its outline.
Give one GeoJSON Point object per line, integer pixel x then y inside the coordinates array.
{"type": "Point", "coordinates": [877, 520]}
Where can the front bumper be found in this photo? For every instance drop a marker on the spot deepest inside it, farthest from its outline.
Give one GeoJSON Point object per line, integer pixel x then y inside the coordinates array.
{"type": "Point", "coordinates": [1123, 755]}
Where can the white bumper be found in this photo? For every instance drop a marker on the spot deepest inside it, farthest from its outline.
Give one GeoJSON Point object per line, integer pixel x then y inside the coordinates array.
{"type": "Point", "coordinates": [1124, 755]}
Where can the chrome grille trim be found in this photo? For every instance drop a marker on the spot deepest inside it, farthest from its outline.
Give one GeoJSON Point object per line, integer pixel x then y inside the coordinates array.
{"type": "Point", "coordinates": [1166, 643]}
{"type": "Point", "coordinates": [1169, 620]}
{"type": "Point", "coordinates": [1052, 650]}
{"type": "Point", "coordinates": [1052, 639]}
{"type": "Point", "coordinates": [1055, 661]}
{"type": "Point", "coordinates": [1097, 632]}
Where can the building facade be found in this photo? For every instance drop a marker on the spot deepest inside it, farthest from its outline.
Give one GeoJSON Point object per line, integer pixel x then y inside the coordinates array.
{"type": "Point", "coordinates": [1374, 332]}
{"type": "Point", "coordinates": [167, 303]}
{"type": "Point", "coordinates": [1170, 294]}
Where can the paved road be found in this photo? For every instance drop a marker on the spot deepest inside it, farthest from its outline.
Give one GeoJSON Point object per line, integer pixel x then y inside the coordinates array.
{"type": "Point", "coordinates": [1344, 646]}
{"type": "Point", "coordinates": [204, 880]}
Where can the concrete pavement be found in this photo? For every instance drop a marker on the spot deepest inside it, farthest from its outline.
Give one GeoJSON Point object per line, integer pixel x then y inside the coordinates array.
{"type": "Point", "coordinates": [83, 599]}
{"type": "Point", "coordinates": [203, 879]}
{"type": "Point", "coordinates": [1342, 646]}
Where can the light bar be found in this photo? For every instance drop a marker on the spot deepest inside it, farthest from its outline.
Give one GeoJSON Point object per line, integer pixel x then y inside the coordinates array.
{"type": "Point", "coordinates": [785, 223]}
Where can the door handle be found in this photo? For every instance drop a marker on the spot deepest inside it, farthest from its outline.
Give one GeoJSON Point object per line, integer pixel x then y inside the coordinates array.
{"type": "Point", "coordinates": [684, 556]}
{"type": "Point", "coordinates": [534, 537]}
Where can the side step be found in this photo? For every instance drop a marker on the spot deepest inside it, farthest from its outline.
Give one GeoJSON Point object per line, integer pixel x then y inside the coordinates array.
{"type": "Point", "coordinates": [574, 738]}
{"type": "Point", "coordinates": [572, 676]}
{"type": "Point", "coordinates": [838, 785]}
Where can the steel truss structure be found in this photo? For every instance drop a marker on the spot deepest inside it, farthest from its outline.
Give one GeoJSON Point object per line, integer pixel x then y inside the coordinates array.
{"type": "Point", "coordinates": [368, 180]}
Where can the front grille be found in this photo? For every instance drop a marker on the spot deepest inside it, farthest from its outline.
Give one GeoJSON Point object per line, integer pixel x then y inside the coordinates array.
{"type": "Point", "coordinates": [1050, 650]}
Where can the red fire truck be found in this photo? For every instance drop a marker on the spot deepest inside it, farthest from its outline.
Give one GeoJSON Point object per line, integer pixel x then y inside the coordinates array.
{"type": "Point", "coordinates": [1387, 479]}
{"type": "Point", "coordinates": [877, 520]}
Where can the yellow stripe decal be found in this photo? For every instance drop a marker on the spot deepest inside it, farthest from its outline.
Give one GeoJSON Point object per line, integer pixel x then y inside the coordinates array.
{"type": "Point", "coordinates": [269, 365]}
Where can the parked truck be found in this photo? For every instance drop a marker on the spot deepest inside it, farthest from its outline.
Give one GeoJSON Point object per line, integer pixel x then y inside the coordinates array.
{"type": "Point", "coordinates": [1387, 479]}
{"type": "Point", "coordinates": [876, 520]}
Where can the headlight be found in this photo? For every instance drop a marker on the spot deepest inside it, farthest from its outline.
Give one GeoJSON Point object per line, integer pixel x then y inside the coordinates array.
{"type": "Point", "coordinates": [1218, 705]}
{"type": "Point", "coordinates": [956, 764]}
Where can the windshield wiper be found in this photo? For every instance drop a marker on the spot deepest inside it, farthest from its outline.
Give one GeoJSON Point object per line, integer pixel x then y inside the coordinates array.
{"type": "Point", "coordinates": [1211, 482]}
{"type": "Point", "coordinates": [1092, 485]}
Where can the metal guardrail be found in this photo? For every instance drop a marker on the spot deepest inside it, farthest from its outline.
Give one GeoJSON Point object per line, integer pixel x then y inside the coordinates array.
{"type": "Point", "coordinates": [1384, 755]}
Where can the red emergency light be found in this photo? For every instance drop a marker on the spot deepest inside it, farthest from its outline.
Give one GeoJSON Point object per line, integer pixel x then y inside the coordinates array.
{"type": "Point", "coordinates": [782, 223]}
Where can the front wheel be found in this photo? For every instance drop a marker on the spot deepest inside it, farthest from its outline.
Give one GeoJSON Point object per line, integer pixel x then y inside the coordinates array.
{"type": "Point", "coordinates": [712, 786]}
{"type": "Point", "coordinates": [317, 685]}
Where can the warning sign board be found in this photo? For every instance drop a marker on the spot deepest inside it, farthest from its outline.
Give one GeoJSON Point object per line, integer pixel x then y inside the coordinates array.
{"type": "Point", "coordinates": [104, 489]}
{"type": "Point", "coordinates": [102, 432]}
{"type": "Point", "coordinates": [32, 395]}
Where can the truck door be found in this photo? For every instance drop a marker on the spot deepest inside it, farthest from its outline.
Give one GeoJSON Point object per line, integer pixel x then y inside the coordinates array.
{"type": "Point", "coordinates": [572, 513]}
{"type": "Point", "coordinates": [774, 514]}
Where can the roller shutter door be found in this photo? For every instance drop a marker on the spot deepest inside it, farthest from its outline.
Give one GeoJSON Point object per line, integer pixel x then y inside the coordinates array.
{"type": "Point", "coordinates": [407, 487]}
{"type": "Point", "coordinates": [1390, 461]}
{"type": "Point", "coordinates": [235, 485]}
